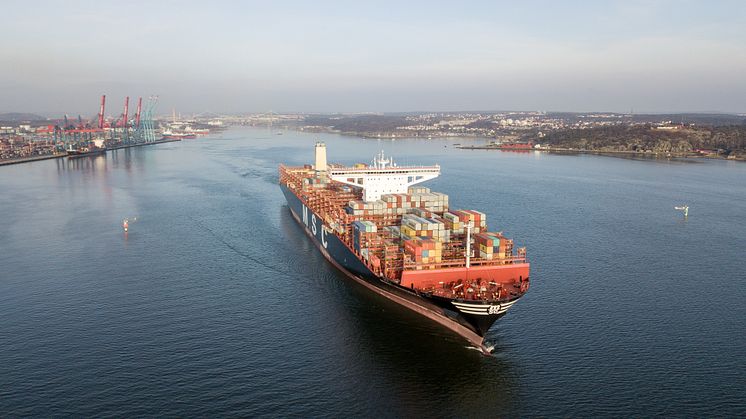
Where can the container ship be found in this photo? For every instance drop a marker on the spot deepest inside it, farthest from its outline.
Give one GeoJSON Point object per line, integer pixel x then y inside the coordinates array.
{"type": "Point", "coordinates": [187, 133]}
{"type": "Point", "coordinates": [92, 148]}
{"type": "Point", "coordinates": [405, 243]}
{"type": "Point", "coordinates": [177, 135]}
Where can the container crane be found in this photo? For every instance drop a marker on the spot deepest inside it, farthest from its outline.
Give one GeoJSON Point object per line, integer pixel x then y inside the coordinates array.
{"type": "Point", "coordinates": [125, 134]}
{"type": "Point", "coordinates": [101, 112]}
{"type": "Point", "coordinates": [137, 113]}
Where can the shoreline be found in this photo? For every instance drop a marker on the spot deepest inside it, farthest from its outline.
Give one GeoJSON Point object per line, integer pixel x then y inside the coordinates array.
{"type": "Point", "coordinates": [61, 155]}
{"type": "Point", "coordinates": [554, 150]}
{"type": "Point", "coordinates": [31, 159]}
{"type": "Point", "coordinates": [161, 141]}
{"type": "Point", "coordinates": [608, 153]}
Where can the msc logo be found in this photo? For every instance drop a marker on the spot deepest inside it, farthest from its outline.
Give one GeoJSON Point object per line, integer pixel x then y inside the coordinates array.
{"type": "Point", "coordinates": [313, 225]}
{"type": "Point", "coordinates": [494, 309]}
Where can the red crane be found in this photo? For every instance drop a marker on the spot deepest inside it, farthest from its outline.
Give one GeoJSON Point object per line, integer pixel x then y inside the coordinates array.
{"type": "Point", "coordinates": [126, 111]}
{"type": "Point", "coordinates": [101, 112]}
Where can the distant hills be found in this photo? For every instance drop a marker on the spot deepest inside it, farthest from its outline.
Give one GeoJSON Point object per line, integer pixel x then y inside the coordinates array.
{"type": "Point", "coordinates": [714, 119]}
{"type": "Point", "coordinates": [20, 116]}
{"type": "Point", "coordinates": [644, 137]}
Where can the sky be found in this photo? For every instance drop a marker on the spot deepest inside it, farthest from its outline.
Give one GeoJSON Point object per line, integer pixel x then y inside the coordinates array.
{"type": "Point", "coordinates": [346, 56]}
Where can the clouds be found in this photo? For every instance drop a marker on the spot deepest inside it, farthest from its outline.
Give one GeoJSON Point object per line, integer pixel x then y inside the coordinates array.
{"type": "Point", "coordinates": [335, 56]}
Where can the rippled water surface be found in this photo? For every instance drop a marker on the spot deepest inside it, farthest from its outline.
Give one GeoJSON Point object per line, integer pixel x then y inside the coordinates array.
{"type": "Point", "coordinates": [216, 303]}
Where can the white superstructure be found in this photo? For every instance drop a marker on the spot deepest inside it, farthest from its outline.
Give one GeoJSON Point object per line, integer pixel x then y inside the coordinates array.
{"type": "Point", "coordinates": [382, 177]}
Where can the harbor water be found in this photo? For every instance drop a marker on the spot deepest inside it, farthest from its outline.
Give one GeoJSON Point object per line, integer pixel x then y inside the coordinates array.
{"type": "Point", "coordinates": [215, 303]}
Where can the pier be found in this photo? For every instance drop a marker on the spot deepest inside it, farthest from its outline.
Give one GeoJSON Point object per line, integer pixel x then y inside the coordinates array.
{"type": "Point", "coordinates": [83, 138]}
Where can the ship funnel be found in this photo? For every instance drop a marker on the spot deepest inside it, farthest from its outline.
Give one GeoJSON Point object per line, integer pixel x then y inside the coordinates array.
{"type": "Point", "coordinates": [320, 157]}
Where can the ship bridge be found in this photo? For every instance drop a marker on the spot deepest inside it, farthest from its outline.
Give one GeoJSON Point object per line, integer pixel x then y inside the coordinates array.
{"type": "Point", "coordinates": [382, 177]}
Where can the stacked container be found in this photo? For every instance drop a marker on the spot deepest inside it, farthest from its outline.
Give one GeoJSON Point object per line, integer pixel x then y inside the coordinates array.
{"type": "Point", "coordinates": [434, 202]}
{"type": "Point", "coordinates": [418, 189]}
{"type": "Point", "coordinates": [387, 205]}
{"type": "Point", "coordinates": [453, 223]}
{"type": "Point", "coordinates": [362, 232]}
{"type": "Point", "coordinates": [424, 251]}
{"type": "Point", "coordinates": [493, 246]}
{"type": "Point", "coordinates": [421, 213]}
{"type": "Point", "coordinates": [476, 218]}
{"type": "Point", "coordinates": [488, 245]}
{"type": "Point", "coordinates": [392, 231]}
{"type": "Point", "coordinates": [400, 204]}
{"type": "Point", "coordinates": [506, 248]}
{"type": "Point", "coordinates": [413, 226]}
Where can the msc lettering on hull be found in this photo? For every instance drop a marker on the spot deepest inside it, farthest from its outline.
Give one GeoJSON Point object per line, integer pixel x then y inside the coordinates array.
{"type": "Point", "coordinates": [313, 225]}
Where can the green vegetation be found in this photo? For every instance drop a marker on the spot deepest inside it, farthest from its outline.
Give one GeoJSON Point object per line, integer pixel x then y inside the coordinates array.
{"type": "Point", "coordinates": [645, 138]}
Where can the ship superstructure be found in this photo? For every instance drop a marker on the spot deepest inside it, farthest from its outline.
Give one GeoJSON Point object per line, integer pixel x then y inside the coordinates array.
{"type": "Point", "coordinates": [406, 243]}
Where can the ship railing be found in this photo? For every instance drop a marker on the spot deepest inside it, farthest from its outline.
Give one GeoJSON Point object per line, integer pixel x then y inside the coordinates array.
{"type": "Point", "coordinates": [398, 169]}
{"type": "Point", "coordinates": [472, 290]}
{"type": "Point", "coordinates": [339, 168]}
{"type": "Point", "coordinates": [461, 263]}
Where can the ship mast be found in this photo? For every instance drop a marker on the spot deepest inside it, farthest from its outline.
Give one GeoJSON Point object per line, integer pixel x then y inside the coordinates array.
{"type": "Point", "coordinates": [468, 244]}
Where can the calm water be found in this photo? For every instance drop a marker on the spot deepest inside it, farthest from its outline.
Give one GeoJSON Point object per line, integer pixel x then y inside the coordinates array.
{"type": "Point", "coordinates": [216, 303]}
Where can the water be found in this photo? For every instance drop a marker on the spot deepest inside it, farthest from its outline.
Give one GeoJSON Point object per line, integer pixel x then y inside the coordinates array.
{"type": "Point", "coordinates": [216, 303]}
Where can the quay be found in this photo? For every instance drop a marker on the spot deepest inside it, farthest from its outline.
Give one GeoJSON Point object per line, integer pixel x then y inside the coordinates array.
{"type": "Point", "coordinates": [33, 158]}
{"type": "Point", "coordinates": [60, 155]}
{"type": "Point", "coordinates": [161, 141]}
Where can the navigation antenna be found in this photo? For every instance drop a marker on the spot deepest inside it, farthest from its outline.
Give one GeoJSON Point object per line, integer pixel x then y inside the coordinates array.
{"type": "Point", "coordinates": [380, 161]}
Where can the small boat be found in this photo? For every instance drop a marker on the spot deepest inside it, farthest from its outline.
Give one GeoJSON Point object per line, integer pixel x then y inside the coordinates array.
{"type": "Point", "coordinates": [684, 208]}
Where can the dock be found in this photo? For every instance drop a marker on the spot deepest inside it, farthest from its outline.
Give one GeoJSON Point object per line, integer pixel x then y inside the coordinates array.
{"type": "Point", "coordinates": [31, 159]}
{"type": "Point", "coordinates": [161, 141]}
{"type": "Point", "coordinates": [60, 155]}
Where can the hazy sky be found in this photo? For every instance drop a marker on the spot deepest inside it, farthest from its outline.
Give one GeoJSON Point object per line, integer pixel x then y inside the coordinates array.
{"type": "Point", "coordinates": [318, 56]}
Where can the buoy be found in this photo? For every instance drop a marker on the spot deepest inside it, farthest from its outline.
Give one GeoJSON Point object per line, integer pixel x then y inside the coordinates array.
{"type": "Point", "coordinates": [125, 225]}
{"type": "Point", "coordinates": [684, 208]}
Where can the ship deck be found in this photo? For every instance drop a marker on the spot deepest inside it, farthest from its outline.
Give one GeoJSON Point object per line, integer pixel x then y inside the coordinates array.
{"type": "Point", "coordinates": [485, 280]}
